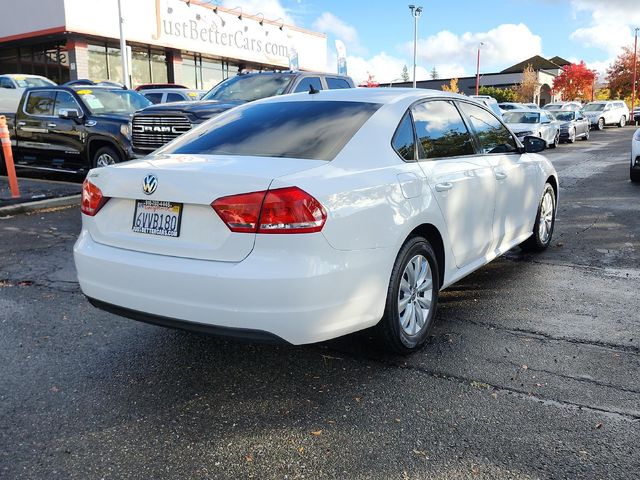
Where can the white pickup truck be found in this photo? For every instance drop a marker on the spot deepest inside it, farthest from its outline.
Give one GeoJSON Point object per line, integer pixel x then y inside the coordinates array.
{"type": "Point", "coordinates": [12, 86]}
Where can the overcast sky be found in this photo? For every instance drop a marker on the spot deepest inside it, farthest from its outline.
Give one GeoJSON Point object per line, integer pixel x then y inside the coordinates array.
{"type": "Point", "coordinates": [379, 34]}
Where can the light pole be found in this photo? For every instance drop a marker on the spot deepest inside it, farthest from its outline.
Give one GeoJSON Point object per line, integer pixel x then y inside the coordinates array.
{"type": "Point", "coordinates": [633, 85]}
{"type": "Point", "coordinates": [415, 12]}
{"type": "Point", "coordinates": [478, 69]}
{"type": "Point", "coordinates": [123, 49]}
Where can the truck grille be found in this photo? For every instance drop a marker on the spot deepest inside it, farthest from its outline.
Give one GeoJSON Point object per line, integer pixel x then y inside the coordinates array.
{"type": "Point", "coordinates": [150, 132]}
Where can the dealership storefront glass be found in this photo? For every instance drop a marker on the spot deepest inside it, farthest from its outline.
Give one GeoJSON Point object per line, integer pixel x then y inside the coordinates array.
{"type": "Point", "coordinates": [47, 60]}
{"type": "Point", "coordinates": [204, 73]}
{"type": "Point", "coordinates": [147, 65]}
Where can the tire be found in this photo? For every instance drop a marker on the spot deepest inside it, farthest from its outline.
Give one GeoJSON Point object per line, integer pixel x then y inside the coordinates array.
{"type": "Point", "coordinates": [600, 125]}
{"type": "Point", "coordinates": [634, 175]}
{"type": "Point", "coordinates": [105, 156]}
{"type": "Point", "coordinates": [405, 293]}
{"type": "Point", "coordinates": [541, 238]}
{"type": "Point", "coordinates": [623, 121]}
{"type": "Point", "coordinates": [586, 135]}
{"type": "Point", "coordinates": [572, 136]}
{"type": "Point", "coordinates": [556, 141]}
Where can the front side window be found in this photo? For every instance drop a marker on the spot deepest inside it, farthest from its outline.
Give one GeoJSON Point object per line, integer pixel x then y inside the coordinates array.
{"type": "Point", "coordinates": [66, 100]}
{"type": "Point", "coordinates": [154, 97]}
{"type": "Point", "coordinates": [337, 83]}
{"type": "Point", "coordinates": [6, 83]}
{"type": "Point", "coordinates": [174, 97]}
{"type": "Point", "coordinates": [307, 82]}
{"type": "Point", "coordinates": [314, 130]}
{"type": "Point", "coordinates": [441, 131]}
{"type": "Point", "coordinates": [493, 136]}
{"type": "Point", "coordinates": [40, 103]}
{"type": "Point", "coordinates": [404, 141]}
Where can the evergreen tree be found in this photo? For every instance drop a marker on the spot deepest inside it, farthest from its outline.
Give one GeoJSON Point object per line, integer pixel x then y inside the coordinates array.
{"type": "Point", "coordinates": [405, 74]}
{"type": "Point", "coordinates": [434, 74]}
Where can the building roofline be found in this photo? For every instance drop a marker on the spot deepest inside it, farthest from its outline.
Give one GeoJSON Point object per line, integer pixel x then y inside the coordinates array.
{"type": "Point", "coordinates": [33, 34]}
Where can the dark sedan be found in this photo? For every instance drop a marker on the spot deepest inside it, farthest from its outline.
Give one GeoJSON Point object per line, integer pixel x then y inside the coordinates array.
{"type": "Point", "coordinates": [573, 124]}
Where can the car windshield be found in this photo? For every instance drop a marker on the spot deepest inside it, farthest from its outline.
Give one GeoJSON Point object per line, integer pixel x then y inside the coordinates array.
{"type": "Point", "coordinates": [521, 117]}
{"type": "Point", "coordinates": [314, 130]}
{"type": "Point", "coordinates": [28, 82]}
{"type": "Point", "coordinates": [108, 101]}
{"type": "Point", "coordinates": [564, 116]}
{"type": "Point", "coordinates": [247, 88]}
{"type": "Point", "coordinates": [594, 107]}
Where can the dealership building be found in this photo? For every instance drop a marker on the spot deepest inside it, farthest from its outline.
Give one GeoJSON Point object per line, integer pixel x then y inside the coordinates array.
{"type": "Point", "coordinates": [193, 43]}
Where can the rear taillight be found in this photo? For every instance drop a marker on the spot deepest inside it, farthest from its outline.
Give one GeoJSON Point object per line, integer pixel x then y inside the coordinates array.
{"type": "Point", "coordinates": [92, 199]}
{"type": "Point", "coordinates": [283, 210]}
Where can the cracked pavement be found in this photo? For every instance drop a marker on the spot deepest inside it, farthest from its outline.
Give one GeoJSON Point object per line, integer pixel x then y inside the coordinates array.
{"type": "Point", "coordinates": [533, 369]}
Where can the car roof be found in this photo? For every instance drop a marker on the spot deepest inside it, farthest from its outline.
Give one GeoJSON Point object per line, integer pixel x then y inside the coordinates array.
{"type": "Point", "coordinates": [22, 75]}
{"type": "Point", "coordinates": [369, 95]}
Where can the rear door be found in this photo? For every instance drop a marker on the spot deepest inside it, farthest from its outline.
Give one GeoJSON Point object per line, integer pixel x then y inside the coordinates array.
{"type": "Point", "coordinates": [462, 182]}
{"type": "Point", "coordinates": [582, 124]}
{"type": "Point", "coordinates": [32, 126]}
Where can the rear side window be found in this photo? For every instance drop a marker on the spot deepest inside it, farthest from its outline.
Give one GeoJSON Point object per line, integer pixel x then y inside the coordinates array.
{"type": "Point", "coordinates": [40, 103]}
{"type": "Point", "coordinates": [336, 83]}
{"type": "Point", "coordinates": [305, 83]}
{"type": "Point", "coordinates": [492, 135]}
{"type": "Point", "coordinates": [404, 141]}
{"type": "Point", "coordinates": [6, 83]}
{"type": "Point", "coordinates": [315, 130]}
{"type": "Point", "coordinates": [441, 131]}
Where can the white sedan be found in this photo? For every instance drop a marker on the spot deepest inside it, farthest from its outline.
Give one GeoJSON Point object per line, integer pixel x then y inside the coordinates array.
{"type": "Point", "coordinates": [310, 216]}
{"type": "Point", "coordinates": [634, 169]}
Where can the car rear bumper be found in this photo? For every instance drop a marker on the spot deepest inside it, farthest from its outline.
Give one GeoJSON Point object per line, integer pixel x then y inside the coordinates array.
{"type": "Point", "coordinates": [279, 290]}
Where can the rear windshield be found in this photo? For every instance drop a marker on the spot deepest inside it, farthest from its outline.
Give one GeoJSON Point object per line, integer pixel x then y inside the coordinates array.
{"type": "Point", "coordinates": [247, 88]}
{"type": "Point", "coordinates": [521, 117]}
{"type": "Point", "coordinates": [315, 130]}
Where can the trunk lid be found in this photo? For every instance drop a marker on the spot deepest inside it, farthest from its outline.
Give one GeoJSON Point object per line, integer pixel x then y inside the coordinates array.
{"type": "Point", "coordinates": [193, 181]}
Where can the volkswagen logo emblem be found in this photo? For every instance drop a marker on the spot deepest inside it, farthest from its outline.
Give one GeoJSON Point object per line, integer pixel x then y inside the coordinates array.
{"type": "Point", "coordinates": [149, 184]}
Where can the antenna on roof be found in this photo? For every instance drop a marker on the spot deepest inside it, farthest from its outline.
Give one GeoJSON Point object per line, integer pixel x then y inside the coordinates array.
{"type": "Point", "coordinates": [313, 90]}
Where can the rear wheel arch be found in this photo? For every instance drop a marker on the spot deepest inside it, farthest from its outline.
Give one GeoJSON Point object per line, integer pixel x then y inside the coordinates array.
{"type": "Point", "coordinates": [431, 233]}
{"type": "Point", "coordinates": [554, 183]}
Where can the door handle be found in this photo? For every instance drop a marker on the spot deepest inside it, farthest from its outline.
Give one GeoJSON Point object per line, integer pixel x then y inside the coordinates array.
{"type": "Point", "coordinates": [22, 124]}
{"type": "Point", "coordinates": [501, 175]}
{"type": "Point", "coordinates": [51, 125]}
{"type": "Point", "coordinates": [443, 187]}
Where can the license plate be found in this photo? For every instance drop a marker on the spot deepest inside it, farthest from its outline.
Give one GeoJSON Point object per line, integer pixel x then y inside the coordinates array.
{"type": "Point", "coordinates": [157, 218]}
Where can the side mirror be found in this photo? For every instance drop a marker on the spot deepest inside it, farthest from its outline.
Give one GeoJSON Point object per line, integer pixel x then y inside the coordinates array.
{"type": "Point", "coordinates": [533, 144]}
{"type": "Point", "coordinates": [69, 113]}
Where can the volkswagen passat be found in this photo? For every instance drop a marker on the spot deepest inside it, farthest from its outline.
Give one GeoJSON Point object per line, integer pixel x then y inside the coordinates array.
{"type": "Point", "coordinates": [310, 216]}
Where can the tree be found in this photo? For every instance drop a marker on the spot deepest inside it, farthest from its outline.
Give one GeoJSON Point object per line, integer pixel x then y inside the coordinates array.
{"type": "Point", "coordinates": [500, 94]}
{"type": "Point", "coordinates": [452, 87]}
{"type": "Point", "coordinates": [434, 74]}
{"type": "Point", "coordinates": [371, 82]}
{"type": "Point", "coordinates": [526, 89]}
{"type": "Point", "coordinates": [575, 82]}
{"type": "Point", "coordinates": [602, 94]}
{"type": "Point", "coordinates": [405, 74]}
{"type": "Point", "coordinates": [620, 74]}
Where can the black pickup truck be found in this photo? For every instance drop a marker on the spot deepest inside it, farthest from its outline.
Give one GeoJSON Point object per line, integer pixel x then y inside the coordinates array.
{"type": "Point", "coordinates": [158, 124]}
{"type": "Point", "coordinates": [72, 129]}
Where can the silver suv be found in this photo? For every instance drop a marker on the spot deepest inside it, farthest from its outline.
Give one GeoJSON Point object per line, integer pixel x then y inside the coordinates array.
{"type": "Point", "coordinates": [610, 112]}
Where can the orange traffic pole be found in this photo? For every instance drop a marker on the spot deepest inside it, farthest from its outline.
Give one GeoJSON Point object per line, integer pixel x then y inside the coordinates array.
{"type": "Point", "coordinates": [8, 157]}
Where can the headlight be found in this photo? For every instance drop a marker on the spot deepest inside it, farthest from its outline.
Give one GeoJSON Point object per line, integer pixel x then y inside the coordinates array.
{"type": "Point", "coordinates": [636, 136]}
{"type": "Point", "coordinates": [524, 134]}
{"type": "Point", "coordinates": [125, 130]}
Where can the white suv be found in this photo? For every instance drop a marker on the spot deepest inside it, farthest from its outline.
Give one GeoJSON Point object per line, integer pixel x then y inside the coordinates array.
{"type": "Point", "coordinates": [613, 112]}
{"type": "Point", "coordinates": [572, 106]}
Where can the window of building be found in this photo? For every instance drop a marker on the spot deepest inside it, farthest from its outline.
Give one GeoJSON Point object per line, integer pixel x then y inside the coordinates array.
{"type": "Point", "coordinates": [48, 60]}
{"type": "Point", "coordinates": [202, 73]}
{"type": "Point", "coordinates": [147, 66]}
{"type": "Point", "coordinates": [441, 131]}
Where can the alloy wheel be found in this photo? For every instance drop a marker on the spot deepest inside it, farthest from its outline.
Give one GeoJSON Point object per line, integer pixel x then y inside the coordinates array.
{"type": "Point", "coordinates": [105, 160]}
{"type": "Point", "coordinates": [414, 295]}
{"type": "Point", "coordinates": [546, 217]}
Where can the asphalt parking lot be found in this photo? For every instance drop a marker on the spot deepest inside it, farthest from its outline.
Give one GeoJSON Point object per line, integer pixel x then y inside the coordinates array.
{"type": "Point", "coordinates": [533, 370]}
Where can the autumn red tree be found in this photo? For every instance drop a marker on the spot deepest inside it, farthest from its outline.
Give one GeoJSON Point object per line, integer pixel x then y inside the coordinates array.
{"type": "Point", "coordinates": [575, 81]}
{"type": "Point", "coordinates": [620, 74]}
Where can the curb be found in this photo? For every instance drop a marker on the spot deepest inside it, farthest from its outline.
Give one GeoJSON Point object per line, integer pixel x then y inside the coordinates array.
{"type": "Point", "coordinates": [40, 205]}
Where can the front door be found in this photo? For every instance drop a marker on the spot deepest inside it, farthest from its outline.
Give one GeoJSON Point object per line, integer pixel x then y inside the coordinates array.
{"type": "Point", "coordinates": [65, 135]}
{"type": "Point", "coordinates": [515, 176]}
{"type": "Point", "coordinates": [462, 182]}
